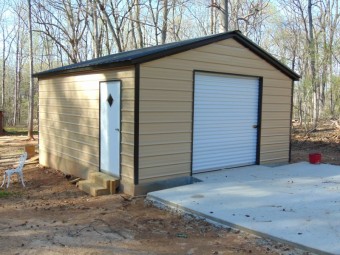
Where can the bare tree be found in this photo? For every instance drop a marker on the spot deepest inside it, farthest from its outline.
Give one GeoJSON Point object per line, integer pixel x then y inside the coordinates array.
{"type": "Point", "coordinates": [225, 15]}
{"type": "Point", "coordinates": [212, 17]}
{"type": "Point", "coordinates": [96, 39]}
{"type": "Point", "coordinates": [155, 11]}
{"type": "Point", "coordinates": [139, 23]}
{"type": "Point", "coordinates": [165, 21]}
{"type": "Point", "coordinates": [176, 10]}
{"type": "Point", "coordinates": [302, 34]}
{"type": "Point", "coordinates": [18, 66]}
{"type": "Point", "coordinates": [120, 12]}
{"type": "Point", "coordinates": [329, 22]}
{"type": "Point", "coordinates": [109, 24]}
{"type": "Point", "coordinates": [7, 40]}
{"type": "Point", "coordinates": [65, 23]}
{"type": "Point", "coordinates": [312, 53]}
{"type": "Point", "coordinates": [31, 90]}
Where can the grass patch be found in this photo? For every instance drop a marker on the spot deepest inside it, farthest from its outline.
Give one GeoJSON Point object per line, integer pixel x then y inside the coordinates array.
{"type": "Point", "coordinates": [18, 130]}
{"type": "Point", "coordinates": [4, 194]}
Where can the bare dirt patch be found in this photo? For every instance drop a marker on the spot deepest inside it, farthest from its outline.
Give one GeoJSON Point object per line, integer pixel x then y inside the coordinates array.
{"type": "Point", "coordinates": [325, 140]}
{"type": "Point", "coordinates": [51, 216]}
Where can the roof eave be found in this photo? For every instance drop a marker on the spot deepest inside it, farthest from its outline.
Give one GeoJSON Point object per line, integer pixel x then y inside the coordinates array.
{"type": "Point", "coordinates": [47, 73]}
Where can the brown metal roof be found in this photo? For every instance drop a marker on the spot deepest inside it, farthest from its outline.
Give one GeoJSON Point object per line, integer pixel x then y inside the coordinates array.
{"type": "Point", "coordinates": [151, 53]}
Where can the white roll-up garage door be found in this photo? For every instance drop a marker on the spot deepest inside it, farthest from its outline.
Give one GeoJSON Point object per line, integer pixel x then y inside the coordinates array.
{"type": "Point", "coordinates": [225, 120]}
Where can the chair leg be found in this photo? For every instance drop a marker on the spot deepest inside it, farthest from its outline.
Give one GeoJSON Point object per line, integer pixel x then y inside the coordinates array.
{"type": "Point", "coordinates": [8, 180]}
{"type": "Point", "coordinates": [3, 182]}
{"type": "Point", "coordinates": [22, 179]}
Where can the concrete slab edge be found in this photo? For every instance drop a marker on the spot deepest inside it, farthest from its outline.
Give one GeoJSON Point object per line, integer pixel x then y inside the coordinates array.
{"type": "Point", "coordinates": [184, 211]}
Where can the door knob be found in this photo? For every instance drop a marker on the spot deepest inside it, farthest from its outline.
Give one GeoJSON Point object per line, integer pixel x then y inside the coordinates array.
{"type": "Point", "coordinates": [255, 126]}
{"type": "Point", "coordinates": [117, 129]}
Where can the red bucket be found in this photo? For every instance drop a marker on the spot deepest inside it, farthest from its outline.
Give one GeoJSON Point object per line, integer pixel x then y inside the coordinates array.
{"type": "Point", "coordinates": [315, 158]}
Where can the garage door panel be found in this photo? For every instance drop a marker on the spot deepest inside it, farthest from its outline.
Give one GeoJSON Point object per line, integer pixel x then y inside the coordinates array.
{"type": "Point", "coordinates": [213, 141]}
{"type": "Point", "coordinates": [225, 112]}
{"type": "Point", "coordinates": [222, 133]}
{"type": "Point", "coordinates": [215, 165]}
{"type": "Point", "coordinates": [218, 158]}
{"type": "Point", "coordinates": [206, 107]}
{"type": "Point", "coordinates": [223, 91]}
{"type": "Point", "coordinates": [227, 136]}
{"type": "Point", "coordinates": [221, 96]}
{"type": "Point", "coordinates": [216, 104]}
{"type": "Point", "coordinates": [236, 105]}
{"type": "Point", "coordinates": [233, 112]}
{"type": "Point", "coordinates": [241, 124]}
{"type": "Point", "coordinates": [221, 148]}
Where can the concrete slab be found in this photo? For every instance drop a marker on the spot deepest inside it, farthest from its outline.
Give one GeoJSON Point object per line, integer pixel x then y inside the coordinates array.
{"type": "Point", "coordinates": [297, 203]}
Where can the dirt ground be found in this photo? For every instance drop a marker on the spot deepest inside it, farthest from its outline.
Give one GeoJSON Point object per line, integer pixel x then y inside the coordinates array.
{"type": "Point", "coordinates": [51, 216]}
{"type": "Point", "coordinates": [325, 140]}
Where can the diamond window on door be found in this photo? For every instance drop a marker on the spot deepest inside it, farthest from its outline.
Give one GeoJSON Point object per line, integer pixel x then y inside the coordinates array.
{"type": "Point", "coordinates": [110, 100]}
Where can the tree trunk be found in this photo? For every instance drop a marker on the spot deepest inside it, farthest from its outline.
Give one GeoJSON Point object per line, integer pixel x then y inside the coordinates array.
{"type": "Point", "coordinates": [139, 26]}
{"type": "Point", "coordinates": [31, 93]}
{"type": "Point", "coordinates": [17, 78]}
{"type": "Point", "coordinates": [154, 17]}
{"type": "Point", "coordinates": [3, 73]}
{"type": "Point", "coordinates": [133, 28]}
{"type": "Point", "coordinates": [300, 112]}
{"type": "Point", "coordinates": [333, 23]}
{"type": "Point", "coordinates": [95, 37]}
{"type": "Point", "coordinates": [165, 21]}
{"type": "Point", "coordinates": [312, 66]}
{"type": "Point", "coordinates": [331, 103]}
{"type": "Point", "coordinates": [212, 21]}
{"type": "Point", "coordinates": [110, 25]}
{"type": "Point", "coordinates": [225, 15]}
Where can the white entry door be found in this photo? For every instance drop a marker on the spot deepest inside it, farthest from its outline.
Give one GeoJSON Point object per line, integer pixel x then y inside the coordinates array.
{"type": "Point", "coordinates": [225, 121]}
{"type": "Point", "coordinates": [110, 127]}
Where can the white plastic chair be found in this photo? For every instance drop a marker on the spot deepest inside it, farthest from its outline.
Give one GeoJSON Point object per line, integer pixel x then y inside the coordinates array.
{"type": "Point", "coordinates": [17, 171]}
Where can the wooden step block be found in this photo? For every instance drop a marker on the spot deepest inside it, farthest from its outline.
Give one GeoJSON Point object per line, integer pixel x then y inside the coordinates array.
{"type": "Point", "coordinates": [92, 188]}
{"type": "Point", "coordinates": [107, 181]}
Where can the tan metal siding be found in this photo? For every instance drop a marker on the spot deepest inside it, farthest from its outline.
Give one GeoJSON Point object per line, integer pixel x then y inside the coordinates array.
{"type": "Point", "coordinates": [166, 92]}
{"type": "Point", "coordinates": [69, 121]}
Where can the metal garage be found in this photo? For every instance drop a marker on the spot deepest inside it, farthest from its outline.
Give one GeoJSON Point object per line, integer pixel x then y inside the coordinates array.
{"type": "Point", "coordinates": [153, 117]}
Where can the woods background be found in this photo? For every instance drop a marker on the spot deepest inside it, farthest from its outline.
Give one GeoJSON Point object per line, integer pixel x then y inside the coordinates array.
{"type": "Point", "coordinates": [303, 34]}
